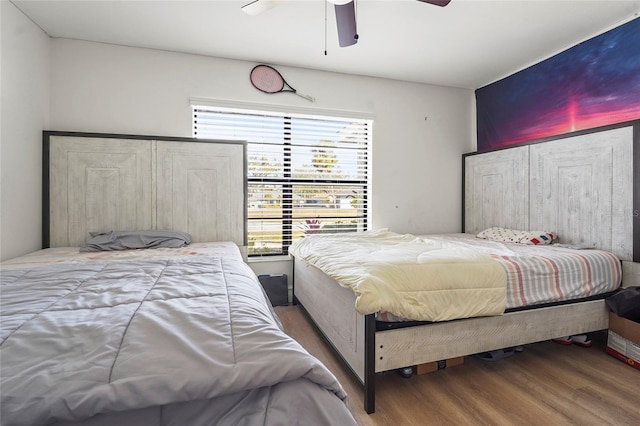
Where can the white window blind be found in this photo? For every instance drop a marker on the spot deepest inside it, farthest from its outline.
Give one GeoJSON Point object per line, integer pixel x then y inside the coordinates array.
{"type": "Point", "coordinates": [306, 174]}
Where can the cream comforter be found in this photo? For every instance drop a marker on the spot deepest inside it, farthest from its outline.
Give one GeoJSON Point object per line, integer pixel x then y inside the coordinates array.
{"type": "Point", "coordinates": [408, 276]}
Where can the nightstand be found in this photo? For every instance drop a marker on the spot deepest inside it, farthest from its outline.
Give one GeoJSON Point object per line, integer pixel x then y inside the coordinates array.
{"type": "Point", "coordinates": [276, 287]}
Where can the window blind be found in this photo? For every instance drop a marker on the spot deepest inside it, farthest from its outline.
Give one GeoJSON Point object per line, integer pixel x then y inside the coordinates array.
{"type": "Point", "coordinates": [306, 174]}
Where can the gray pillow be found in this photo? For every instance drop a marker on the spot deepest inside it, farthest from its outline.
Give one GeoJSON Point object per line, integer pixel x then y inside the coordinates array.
{"type": "Point", "coordinates": [126, 240]}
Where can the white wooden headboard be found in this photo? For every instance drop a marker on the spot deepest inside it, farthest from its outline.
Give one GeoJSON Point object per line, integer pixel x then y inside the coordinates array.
{"type": "Point", "coordinates": [580, 186]}
{"type": "Point", "coordinates": [100, 182]}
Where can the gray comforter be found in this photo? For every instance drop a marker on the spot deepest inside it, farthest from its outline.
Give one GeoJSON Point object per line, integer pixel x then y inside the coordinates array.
{"type": "Point", "coordinates": [193, 336]}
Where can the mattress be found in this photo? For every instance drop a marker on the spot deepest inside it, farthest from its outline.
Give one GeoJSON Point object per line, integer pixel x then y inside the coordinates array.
{"type": "Point", "coordinates": [454, 276]}
{"type": "Point", "coordinates": [542, 274]}
{"type": "Point", "coordinates": [154, 337]}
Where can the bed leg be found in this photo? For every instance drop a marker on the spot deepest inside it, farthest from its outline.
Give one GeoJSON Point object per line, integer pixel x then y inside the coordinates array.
{"type": "Point", "coordinates": [369, 363]}
{"type": "Point", "coordinates": [294, 299]}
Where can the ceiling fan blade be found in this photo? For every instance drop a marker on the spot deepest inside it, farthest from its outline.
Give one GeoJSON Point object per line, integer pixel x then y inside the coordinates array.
{"type": "Point", "coordinates": [441, 3]}
{"type": "Point", "coordinates": [346, 22]}
{"type": "Point", "coordinates": [256, 7]}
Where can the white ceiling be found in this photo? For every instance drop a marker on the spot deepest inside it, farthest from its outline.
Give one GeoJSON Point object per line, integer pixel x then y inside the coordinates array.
{"type": "Point", "coordinates": [468, 44]}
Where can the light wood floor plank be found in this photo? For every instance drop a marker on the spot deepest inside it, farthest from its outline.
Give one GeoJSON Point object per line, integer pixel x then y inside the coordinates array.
{"type": "Point", "coordinates": [547, 384]}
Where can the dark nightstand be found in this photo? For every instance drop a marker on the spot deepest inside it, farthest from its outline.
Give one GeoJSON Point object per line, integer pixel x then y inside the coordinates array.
{"type": "Point", "coordinates": [276, 288]}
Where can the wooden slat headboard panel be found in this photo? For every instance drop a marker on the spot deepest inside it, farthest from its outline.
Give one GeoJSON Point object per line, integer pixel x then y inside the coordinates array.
{"type": "Point", "coordinates": [583, 186]}
{"type": "Point", "coordinates": [100, 182]}
{"type": "Point", "coordinates": [581, 189]}
{"type": "Point", "coordinates": [497, 190]}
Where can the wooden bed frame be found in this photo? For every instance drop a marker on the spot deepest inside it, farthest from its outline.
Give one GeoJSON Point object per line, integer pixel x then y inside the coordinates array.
{"type": "Point", "coordinates": [100, 182]}
{"type": "Point", "coordinates": [367, 351]}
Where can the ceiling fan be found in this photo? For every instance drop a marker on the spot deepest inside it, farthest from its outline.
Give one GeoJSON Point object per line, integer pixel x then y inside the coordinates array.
{"type": "Point", "coordinates": [345, 15]}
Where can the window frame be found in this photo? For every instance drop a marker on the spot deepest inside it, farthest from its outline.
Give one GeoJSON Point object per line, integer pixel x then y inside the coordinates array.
{"type": "Point", "coordinates": [287, 182]}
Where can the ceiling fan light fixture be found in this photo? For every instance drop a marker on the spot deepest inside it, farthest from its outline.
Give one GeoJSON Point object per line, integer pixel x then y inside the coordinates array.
{"type": "Point", "coordinates": [441, 3]}
{"type": "Point", "coordinates": [346, 23]}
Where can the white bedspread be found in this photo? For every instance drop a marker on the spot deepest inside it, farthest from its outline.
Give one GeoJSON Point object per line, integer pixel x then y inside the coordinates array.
{"type": "Point", "coordinates": [189, 335]}
{"type": "Point", "coordinates": [408, 276]}
{"type": "Point", "coordinates": [64, 255]}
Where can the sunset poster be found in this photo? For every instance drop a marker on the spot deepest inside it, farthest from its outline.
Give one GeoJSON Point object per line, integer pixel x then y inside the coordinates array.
{"type": "Point", "coordinates": [594, 83]}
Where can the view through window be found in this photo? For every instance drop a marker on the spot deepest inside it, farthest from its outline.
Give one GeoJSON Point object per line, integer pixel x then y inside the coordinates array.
{"type": "Point", "coordinates": [306, 174]}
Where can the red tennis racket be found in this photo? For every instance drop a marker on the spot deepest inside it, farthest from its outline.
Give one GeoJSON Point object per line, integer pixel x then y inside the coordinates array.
{"type": "Point", "coordinates": [269, 80]}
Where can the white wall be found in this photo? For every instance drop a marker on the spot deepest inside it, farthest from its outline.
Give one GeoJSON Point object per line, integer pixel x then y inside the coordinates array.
{"type": "Point", "coordinates": [416, 162]}
{"type": "Point", "coordinates": [25, 89]}
{"type": "Point", "coordinates": [420, 131]}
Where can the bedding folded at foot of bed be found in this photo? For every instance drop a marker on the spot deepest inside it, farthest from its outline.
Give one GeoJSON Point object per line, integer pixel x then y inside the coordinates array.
{"type": "Point", "coordinates": [408, 276]}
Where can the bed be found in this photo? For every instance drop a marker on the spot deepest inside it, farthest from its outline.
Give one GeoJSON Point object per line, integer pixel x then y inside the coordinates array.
{"type": "Point", "coordinates": [166, 336]}
{"type": "Point", "coordinates": [580, 187]}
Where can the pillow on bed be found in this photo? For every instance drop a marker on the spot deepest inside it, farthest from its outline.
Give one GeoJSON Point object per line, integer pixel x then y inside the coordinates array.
{"type": "Point", "coordinates": [507, 235]}
{"type": "Point", "coordinates": [126, 240]}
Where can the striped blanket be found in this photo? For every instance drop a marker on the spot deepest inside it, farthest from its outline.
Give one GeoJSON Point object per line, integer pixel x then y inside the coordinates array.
{"type": "Point", "coordinates": [541, 274]}
{"type": "Point", "coordinates": [544, 274]}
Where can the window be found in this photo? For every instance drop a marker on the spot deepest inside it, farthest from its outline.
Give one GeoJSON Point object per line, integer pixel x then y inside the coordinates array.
{"type": "Point", "coordinates": [306, 174]}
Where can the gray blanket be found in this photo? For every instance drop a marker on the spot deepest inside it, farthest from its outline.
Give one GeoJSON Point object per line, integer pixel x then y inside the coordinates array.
{"type": "Point", "coordinates": [83, 339]}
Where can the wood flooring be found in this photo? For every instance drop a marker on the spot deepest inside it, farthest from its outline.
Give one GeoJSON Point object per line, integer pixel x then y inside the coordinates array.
{"type": "Point", "coordinates": [546, 384]}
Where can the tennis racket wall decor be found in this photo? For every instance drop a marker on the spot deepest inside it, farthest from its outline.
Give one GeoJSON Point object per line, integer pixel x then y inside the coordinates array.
{"type": "Point", "coordinates": [268, 80]}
